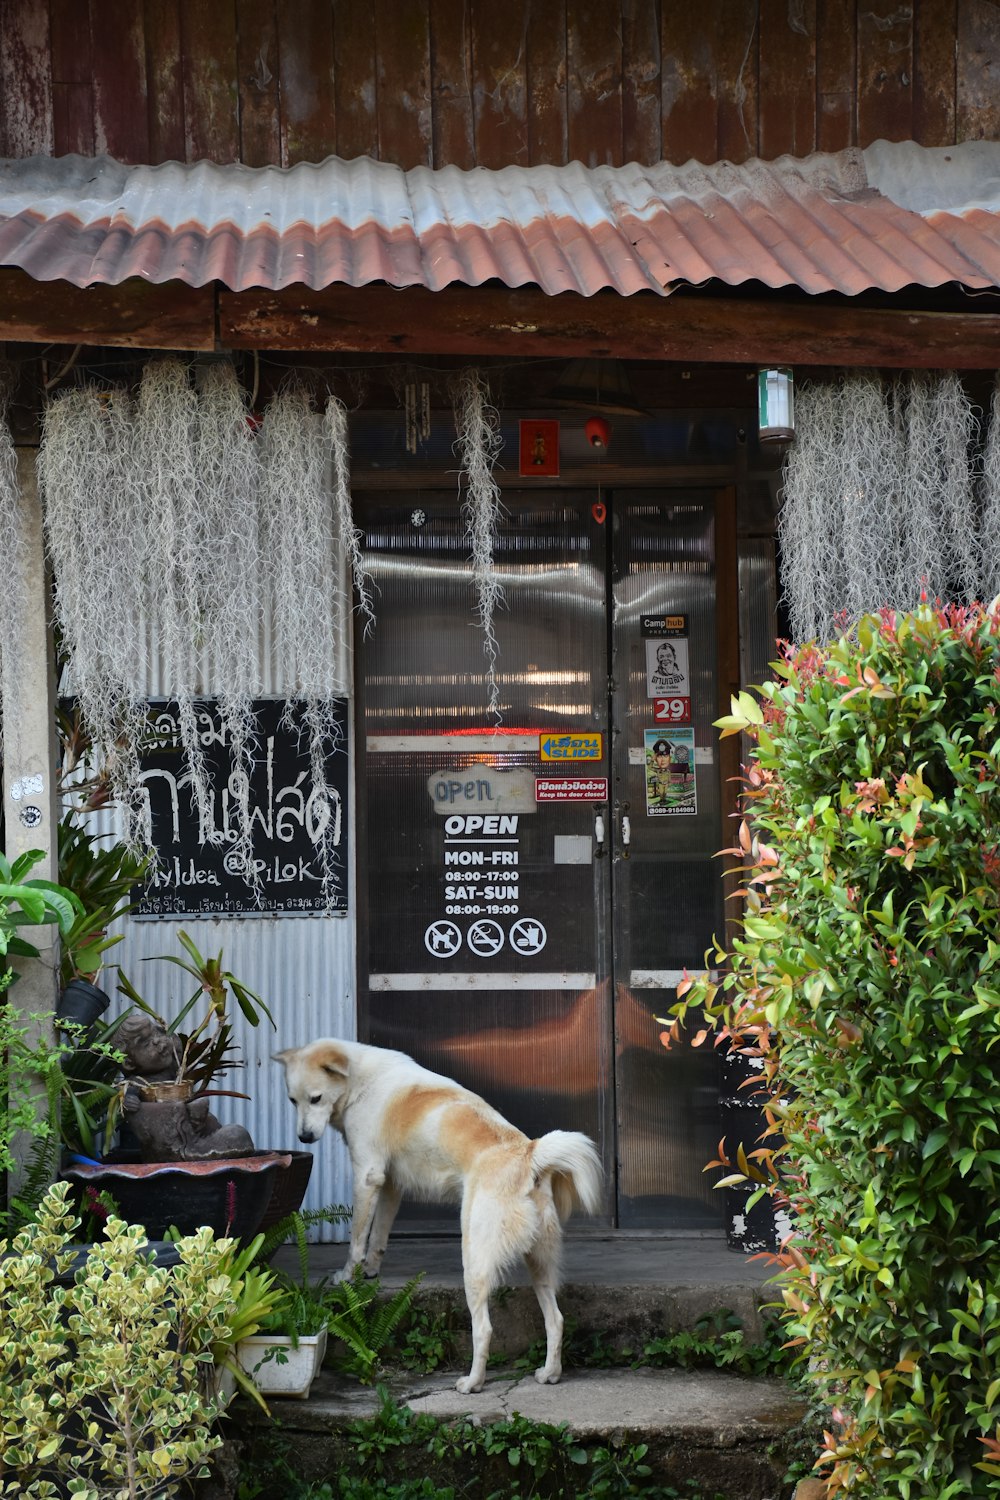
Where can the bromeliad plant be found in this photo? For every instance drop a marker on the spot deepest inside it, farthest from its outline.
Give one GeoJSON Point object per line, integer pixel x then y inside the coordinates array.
{"type": "Point", "coordinates": [104, 880]}
{"type": "Point", "coordinates": [867, 980]}
{"type": "Point", "coordinates": [207, 1050]}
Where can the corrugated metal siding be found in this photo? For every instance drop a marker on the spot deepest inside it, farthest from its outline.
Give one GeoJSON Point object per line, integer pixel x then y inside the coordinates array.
{"type": "Point", "coordinates": [304, 969]}
{"type": "Point", "coordinates": [826, 222]}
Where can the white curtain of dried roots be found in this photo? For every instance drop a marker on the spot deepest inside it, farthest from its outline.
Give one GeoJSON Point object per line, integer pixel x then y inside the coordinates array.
{"type": "Point", "coordinates": [174, 531]}
{"type": "Point", "coordinates": [887, 495]}
{"type": "Point", "coordinates": [478, 443]}
{"type": "Point", "coordinates": [13, 545]}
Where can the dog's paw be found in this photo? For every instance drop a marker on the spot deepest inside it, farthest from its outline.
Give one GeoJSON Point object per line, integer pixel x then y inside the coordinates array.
{"type": "Point", "coordinates": [545, 1376]}
{"type": "Point", "coordinates": [467, 1386]}
{"type": "Point", "coordinates": [344, 1274]}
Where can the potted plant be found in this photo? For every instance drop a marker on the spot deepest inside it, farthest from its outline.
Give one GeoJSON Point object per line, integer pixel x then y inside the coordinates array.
{"type": "Point", "coordinates": [284, 1356]}
{"type": "Point", "coordinates": [182, 1166]}
{"type": "Point", "coordinates": [256, 1295]}
{"type": "Point", "coordinates": [28, 902]}
{"type": "Point", "coordinates": [33, 1084]}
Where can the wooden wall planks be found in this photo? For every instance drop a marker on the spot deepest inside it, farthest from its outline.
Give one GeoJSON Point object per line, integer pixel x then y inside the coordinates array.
{"type": "Point", "coordinates": [257, 80]}
{"type": "Point", "coordinates": [477, 82]}
{"type": "Point", "coordinates": [787, 77]}
{"type": "Point", "coordinates": [403, 86]}
{"type": "Point", "coordinates": [164, 82]}
{"type": "Point", "coordinates": [305, 86]}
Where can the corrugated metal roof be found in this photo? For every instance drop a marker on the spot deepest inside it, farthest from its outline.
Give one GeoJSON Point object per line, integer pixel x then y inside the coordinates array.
{"type": "Point", "coordinates": [885, 217]}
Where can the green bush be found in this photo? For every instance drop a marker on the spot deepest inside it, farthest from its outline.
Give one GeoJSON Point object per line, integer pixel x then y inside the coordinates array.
{"type": "Point", "coordinates": [106, 1387]}
{"type": "Point", "coordinates": [867, 980]}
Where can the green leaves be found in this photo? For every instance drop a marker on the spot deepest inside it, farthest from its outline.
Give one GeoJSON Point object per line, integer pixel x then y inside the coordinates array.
{"type": "Point", "coordinates": [208, 1050]}
{"type": "Point", "coordinates": [30, 903]}
{"type": "Point", "coordinates": [74, 1417]}
{"type": "Point", "coordinates": [865, 981]}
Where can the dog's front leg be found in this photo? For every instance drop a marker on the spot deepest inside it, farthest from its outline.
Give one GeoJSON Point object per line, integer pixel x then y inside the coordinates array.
{"type": "Point", "coordinates": [367, 1189]}
{"type": "Point", "coordinates": [385, 1214]}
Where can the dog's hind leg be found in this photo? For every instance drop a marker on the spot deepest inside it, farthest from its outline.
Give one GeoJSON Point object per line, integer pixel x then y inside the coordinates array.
{"type": "Point", "coordinates": [481, 1238]}
{"type": "Point", "coordinates": [385, 1213]}
{"type": "Point", "coordinates": [545, 1279]}
{"type": "Point", "coordinates": [477, 1294]}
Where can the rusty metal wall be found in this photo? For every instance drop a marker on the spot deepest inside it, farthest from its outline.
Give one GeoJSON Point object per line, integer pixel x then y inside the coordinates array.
{"type": "Point", "coordinates": [474, 84]}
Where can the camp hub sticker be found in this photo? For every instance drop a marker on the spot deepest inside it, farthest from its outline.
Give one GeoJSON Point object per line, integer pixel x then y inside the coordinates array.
{"type": "Point", "coordinates": [571, 746]}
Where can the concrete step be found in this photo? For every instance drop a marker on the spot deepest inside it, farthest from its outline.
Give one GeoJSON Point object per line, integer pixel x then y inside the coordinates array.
{"type": "Point", "coordinates": [708, 1432]}
{"type": "Point", "coordinates": [618, 1292]}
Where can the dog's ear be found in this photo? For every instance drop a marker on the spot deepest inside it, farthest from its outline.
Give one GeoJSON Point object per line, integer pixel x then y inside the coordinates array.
{"type": "Point", "coordinates": [284, 1057]}
{"type": "Point", "coordinates": [329, 1057]}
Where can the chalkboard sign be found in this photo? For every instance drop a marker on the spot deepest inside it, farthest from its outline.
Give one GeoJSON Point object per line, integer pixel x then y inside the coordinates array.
{"type": "Point", "coordinates": [196, 878]}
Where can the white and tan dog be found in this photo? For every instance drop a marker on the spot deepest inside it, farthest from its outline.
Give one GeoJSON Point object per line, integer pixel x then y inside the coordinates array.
{"type": "Point", "coordinates": [416, 1132]}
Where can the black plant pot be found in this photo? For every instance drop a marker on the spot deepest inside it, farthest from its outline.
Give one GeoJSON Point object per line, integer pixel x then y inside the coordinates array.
{"type": "Point", "coordinates": [288, 1189]}
{"type": "Point", "coordinates": [161, 1253]}
{"type": "Point", "coordinates": [81, 1002]}
{"type": "Point", "coordinates": [229, 1194]}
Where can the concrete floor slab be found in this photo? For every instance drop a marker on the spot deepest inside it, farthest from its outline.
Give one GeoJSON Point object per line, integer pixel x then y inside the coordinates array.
{"type": "Point", "coordinates": [588, 1260]}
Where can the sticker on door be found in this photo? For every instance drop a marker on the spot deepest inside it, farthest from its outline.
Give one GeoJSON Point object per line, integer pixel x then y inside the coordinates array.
{"type": "Point", "coordinates": [671, 785]}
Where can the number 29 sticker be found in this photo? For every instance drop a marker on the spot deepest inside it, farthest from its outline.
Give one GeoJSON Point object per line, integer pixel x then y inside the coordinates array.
{"type": "Point", "coordinates": [672, 710]}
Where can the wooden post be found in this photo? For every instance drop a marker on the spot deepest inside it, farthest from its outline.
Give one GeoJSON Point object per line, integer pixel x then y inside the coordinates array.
{"type": "Point", "coordinates": [30, 803]}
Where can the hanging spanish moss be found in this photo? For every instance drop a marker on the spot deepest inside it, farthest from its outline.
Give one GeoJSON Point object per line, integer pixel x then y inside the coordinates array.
{"type": "Point", "coordinates": [990, 497]}
{"type": "Point", "coordinates": [879, 500]}
{"type": "Point", "coordinates": [308, 606]}
{"type": "Point", "coordinates": [13, 545]}
{"type": "Point", "coordinates": [232, 599]}
{"type": "Point", "coordinates": [99, 542]}
{"type": "Point", "coordinates": [174, 529]}
{"type": "Point", "coordinates": [348, 535]}
{"type": "Point", "coordinates": [166, 432]}
{"type": "Point", "coordinates": [479, 443]}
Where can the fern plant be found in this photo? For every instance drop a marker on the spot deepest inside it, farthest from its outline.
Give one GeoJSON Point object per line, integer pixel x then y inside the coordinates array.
{"type": "Point", "coordinates": [295, 1226]}
{"type": "Point", "coordinates": [363, 1321]}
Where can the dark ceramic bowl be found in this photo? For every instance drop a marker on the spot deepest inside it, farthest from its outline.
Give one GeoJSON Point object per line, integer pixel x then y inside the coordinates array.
{"type": "Point", "coordinates": [230, 1195]}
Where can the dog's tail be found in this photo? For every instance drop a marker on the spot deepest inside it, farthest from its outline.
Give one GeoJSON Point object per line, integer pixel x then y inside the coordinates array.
{"type": "Point", "coordinates": [575, 1167]}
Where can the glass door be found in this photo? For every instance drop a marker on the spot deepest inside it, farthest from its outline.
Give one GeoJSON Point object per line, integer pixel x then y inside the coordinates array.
{"type": "Point", "coordinates": [537, 877]}
{"type": "Point", "coordinates": [666, 829]}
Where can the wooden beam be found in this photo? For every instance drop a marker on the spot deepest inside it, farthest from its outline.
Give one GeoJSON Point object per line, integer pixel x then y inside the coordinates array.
{"type": "Point", "coordinates": [477, 321]}
{"type": "Point", "coordinates": [135, 314]}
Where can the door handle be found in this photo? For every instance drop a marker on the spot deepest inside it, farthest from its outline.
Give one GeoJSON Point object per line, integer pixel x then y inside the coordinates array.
{"type": "Point", "coordinates": [626, 834]}
{"type": "Point", "coordinates": [599, 834]}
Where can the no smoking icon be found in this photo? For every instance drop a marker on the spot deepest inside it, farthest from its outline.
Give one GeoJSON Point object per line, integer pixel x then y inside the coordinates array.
{"type": "Point", "coordinates": [485, 938]}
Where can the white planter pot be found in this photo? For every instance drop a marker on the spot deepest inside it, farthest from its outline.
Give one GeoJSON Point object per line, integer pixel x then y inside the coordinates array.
{"type": "Point", "coordinates": [292, 1376]}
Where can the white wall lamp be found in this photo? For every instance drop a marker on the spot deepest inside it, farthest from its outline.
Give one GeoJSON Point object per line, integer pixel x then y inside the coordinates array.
{"type": "Point", "coordinates": [775, 405]}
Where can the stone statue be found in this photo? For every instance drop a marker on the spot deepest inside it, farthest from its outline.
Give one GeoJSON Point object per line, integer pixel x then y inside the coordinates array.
{"type": "Point", "coordinates": [185, 1130]}
{"type": "Point", "coordinates": [180, 1129]}
{"type": "Point", "coordinates": [152, 1053]}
